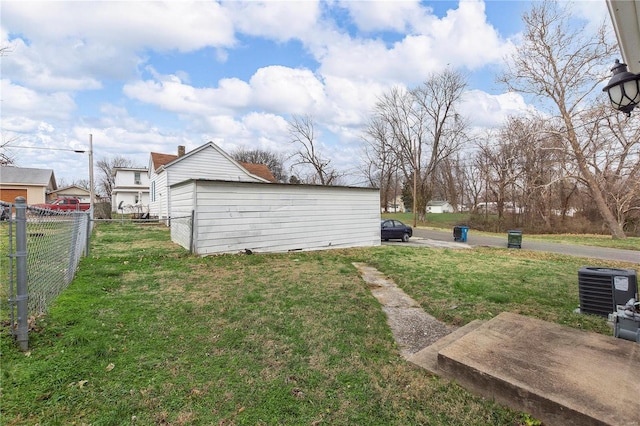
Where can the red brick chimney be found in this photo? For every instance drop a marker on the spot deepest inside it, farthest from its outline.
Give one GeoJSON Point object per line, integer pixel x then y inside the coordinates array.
{"type": "Point", "coordinates": [180, 151]}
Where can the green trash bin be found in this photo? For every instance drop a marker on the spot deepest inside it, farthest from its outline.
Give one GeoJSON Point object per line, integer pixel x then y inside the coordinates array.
{"type": "Point", "coordinates": [514, 239]}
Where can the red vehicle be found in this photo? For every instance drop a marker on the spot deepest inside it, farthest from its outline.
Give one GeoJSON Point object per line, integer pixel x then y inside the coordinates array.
{"type": "Point", "coordinates": [65, 204]}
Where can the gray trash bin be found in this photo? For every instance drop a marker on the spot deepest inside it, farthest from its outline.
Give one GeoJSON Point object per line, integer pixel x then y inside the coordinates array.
{"type": "Point", "coordinates": [514, 239]}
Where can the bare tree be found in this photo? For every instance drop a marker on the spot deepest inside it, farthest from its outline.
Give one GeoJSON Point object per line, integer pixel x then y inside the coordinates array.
{"type": "Point", "coordinates": [106, 177]}
{"type": "Point", "coordinates": [612, 147]}
{"type": "Point", "coordinates": [380, 162]}
{"type": "Point", "coordinates": [562, 65]}
{"type": "Point", "coordinates": [425, 129]}
{"type": "Point", "coordinates": [7, 158]}
{"type": "Point", "coordinates": [302, 133]}
{"type": "Point", "coordinates": [274, 161]}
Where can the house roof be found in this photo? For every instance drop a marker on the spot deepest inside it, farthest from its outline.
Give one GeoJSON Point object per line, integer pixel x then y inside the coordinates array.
{"type": "Point", "coordinates": [27, 176]}
{"type": "Point", "coordinates": [437, 203]}
{"type": "Point", "coordinates": [158, 160]}
{"type": "Point", "coordinates": [260, 170]}
{"type": "Point", "coordinates": [625, 16]}
{"type": "Point", "coordinates": [76, 187]}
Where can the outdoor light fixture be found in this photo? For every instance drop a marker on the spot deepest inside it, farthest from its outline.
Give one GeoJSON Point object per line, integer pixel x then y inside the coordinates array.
{"type": "Point", "coordinates": [623, 88]}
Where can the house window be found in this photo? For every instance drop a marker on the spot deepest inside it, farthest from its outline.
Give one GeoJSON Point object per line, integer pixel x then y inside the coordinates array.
{"type": "Point", "coordinates": [136, 178]}
{"type": "Point", "coordinates": [153, 191]}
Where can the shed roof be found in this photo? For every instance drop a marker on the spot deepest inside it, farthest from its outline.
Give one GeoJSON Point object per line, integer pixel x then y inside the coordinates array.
{"type": "Point", "coordinates": [27, 176]}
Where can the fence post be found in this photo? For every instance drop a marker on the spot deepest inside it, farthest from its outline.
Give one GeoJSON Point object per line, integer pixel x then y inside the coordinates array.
{"type": "Point", "coordinates": [22, 295]}
{"type": "Point", "coordinates": [191, 232]}
{"type": "Point", "coordinates": [73, 247]}
{"type": "Point", "coordinates": [87, 243]}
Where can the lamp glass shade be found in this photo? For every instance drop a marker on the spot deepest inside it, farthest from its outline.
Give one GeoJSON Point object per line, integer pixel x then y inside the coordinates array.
{"type": "Point", "coordinates": [623, 88]}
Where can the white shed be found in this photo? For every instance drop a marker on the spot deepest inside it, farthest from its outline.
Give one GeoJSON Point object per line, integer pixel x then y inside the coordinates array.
{"type": "Point", "coordinates": [230, 217]}
{"type": "Point", "coordinates": [435, 206]}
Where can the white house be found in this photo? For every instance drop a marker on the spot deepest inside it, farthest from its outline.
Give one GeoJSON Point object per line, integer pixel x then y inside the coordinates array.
{"type": "Point", "coordinates": [215, 216]}
{"type": "Point", "coordinates": [204, 162]}
{"type": "Point", "coordinates": [435, 206]}
{"type": "Point", "coordinates": [394, 206]}
{"type": "Point", "coordinates": [130, 193]}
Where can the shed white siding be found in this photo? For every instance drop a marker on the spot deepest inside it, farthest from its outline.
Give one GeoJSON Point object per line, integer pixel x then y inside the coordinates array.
{"type": "Point", "coordinates": [184, 202]}
{"type": "Point", "coordinates": [233, 216]}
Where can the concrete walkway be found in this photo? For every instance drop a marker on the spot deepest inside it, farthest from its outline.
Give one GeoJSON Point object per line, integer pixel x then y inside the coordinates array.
{"type": "Point", "coordinates": [560, 375]}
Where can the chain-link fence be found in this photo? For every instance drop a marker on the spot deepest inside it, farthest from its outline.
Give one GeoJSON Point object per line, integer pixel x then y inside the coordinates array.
{"type": "Point", "coordinates": [43, 251]}
{"type": "Point", "coordinates": [182, 231]}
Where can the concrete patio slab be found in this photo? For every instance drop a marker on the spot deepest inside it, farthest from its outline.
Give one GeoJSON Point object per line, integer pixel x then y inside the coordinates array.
{"type": "Point", "coordinates": [560, 375]}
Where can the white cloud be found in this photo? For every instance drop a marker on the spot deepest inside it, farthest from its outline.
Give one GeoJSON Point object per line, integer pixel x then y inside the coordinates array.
{"type": "Point", "coordinates": [461, 39]}
{"type": "Point", "coordinates": [397, 16]}
{"type": "Point", "coordinates": [171, 94]}
{"type": "Point", "coordinates": [21, 101]}
{"type": "Point", "coordinates": [489, 111]}
{"type": "Point", "coordinates": [278, 20]}
{"type": "Point", "coordinates": [286, 90]}
{"type": "Point", "coordinates": [464, 38]}
{"type": "Point", "coordinates": [72, 45]}
{"type": "Point", "coordinates": [162, 26]}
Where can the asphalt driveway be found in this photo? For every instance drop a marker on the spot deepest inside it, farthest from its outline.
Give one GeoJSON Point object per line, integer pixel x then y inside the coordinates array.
{"type": "Point", "coordinates": [444, 239]}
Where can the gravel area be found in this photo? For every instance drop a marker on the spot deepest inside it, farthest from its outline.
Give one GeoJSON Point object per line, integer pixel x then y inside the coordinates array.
{"type": "Point", "coordinates": [412, 328]}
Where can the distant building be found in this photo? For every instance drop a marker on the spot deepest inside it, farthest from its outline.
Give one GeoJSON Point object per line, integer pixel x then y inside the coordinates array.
{"type": "Point", "coordinates": [130, 193]}
{"type": "Point", "coordinates": [435, 206]}
{"type": "Point", "coordinates": [394, 206]}
{"type": "Point", "coordinates": [32, 184]}
{"type": "Point", "coordinates": [71, 191]}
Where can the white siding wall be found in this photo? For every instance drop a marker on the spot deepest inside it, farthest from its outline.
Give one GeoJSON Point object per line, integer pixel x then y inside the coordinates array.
{"type": "Point", "coordinates": [233, 216]}
{"type": "Point", "coordinates": [206, 164]}
{"type": "Point", "coordinates": [182, 204]}
{"type": "Point", "coordinates": [160, 206]}
{"type": "Point", "coordinates": [127, 178]}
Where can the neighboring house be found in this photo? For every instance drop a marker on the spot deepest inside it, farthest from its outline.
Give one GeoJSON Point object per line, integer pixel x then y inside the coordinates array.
{"type": "Point", "coordinates": [130, 193]}
{"type": "Point", "coordinates": [439, 207]}
{"type": "Point", "coordinates": [204, 162]}
{"type": "Point", "coordinates": [32, 184]}
{"type": "Point", "coordinates": [394, 206]}
{"type": "Point", "coordinates": [71, 191]}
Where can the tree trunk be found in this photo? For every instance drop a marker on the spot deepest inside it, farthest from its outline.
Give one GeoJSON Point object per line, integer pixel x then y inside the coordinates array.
{"type": "Point", "coordinates": [617, 232]}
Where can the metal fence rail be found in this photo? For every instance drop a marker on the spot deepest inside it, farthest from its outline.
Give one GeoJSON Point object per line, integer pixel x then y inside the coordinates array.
{"type": "Point", "coordinates": [43, 248]}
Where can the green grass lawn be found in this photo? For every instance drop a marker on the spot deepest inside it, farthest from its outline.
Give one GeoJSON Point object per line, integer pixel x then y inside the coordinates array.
{"type": "Point", "coordinates": [147, 334]}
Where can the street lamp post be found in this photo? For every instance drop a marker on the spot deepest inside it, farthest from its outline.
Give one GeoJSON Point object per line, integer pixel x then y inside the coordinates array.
{"type": "Point", "coordinates": [91, 193]}
{"type": "Point", "coordinates": [79, 151]}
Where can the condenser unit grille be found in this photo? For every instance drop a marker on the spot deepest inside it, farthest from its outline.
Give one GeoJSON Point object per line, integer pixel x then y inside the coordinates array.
{"type": "Point", "coordinates": [601, 289]}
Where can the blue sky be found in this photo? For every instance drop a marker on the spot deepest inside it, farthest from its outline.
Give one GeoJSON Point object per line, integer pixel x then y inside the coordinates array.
{"type": "Point", "coordinates": [149, 76]}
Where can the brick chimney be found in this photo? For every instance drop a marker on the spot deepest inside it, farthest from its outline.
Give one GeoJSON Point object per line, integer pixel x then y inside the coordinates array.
{"type": "Point", "coordinates": [180, 151]}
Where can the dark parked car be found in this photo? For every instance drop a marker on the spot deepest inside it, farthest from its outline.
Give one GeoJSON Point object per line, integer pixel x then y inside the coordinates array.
{"type": "Point", "coordinates": [394, 229]}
